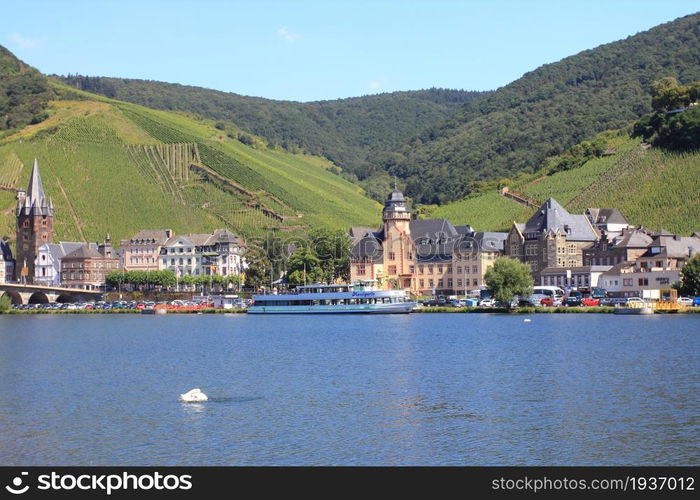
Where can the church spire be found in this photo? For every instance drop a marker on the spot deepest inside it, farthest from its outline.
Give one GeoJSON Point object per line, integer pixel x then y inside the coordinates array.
{"type": "Point", "coordinates": [35, 198]}
{"type": "Point", "coordinates": [36, 188]}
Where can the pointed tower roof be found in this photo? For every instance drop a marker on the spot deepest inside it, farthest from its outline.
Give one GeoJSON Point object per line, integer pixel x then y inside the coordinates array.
{"type": "Point", "coordinates": [35, 200]}
{"type": "Point", "coordinates": [36, 188]}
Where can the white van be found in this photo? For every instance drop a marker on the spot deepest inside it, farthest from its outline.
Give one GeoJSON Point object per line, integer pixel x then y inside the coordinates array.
{"type": "Point", "coordinates": [556, 293]}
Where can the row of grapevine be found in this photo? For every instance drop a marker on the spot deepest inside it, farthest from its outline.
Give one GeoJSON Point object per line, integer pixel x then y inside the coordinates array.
{"type": "Point", "coordinates": [10, 169]}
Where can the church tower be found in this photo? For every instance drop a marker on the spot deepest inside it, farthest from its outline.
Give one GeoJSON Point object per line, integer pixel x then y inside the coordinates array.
{"type": "Point", "coordinates": [34, 225]}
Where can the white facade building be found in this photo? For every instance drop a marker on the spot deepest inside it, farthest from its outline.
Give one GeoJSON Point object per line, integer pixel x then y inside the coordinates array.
{"type": "Point", "coordinates": [47, 266]}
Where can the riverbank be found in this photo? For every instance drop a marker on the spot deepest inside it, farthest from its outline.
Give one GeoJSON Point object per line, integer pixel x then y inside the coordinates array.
{"type": "Point", "coordinates": [430, 310]}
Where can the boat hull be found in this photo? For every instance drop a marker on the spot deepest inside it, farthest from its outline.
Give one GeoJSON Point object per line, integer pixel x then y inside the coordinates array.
{"type": "Point", "coordinates": [400, 308]}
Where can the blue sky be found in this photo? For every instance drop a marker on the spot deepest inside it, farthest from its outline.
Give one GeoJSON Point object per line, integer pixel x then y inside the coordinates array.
{"type": "Point", "coordinates": [312, 50]}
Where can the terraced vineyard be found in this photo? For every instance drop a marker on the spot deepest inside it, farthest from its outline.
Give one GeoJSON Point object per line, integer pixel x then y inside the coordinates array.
{"type": "Point", "coordinates": [484, 212]}
{"type": "Point", "coordinates": [651, 187]}
{"type": "Point", "coordinates": [10, 170]}
{"type": "Point", "coordinates": [565, 186]}
{"type": "Point", "coordinates": [117, 168]}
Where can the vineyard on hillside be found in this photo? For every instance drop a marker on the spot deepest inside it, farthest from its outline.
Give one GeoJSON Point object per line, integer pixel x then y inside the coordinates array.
{"type": "Point", "coordinates": [118, 168]}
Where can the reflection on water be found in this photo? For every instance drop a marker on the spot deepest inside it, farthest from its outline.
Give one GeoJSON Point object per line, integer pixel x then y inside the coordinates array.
{"type": "Point", "coordinates": [437, 389]}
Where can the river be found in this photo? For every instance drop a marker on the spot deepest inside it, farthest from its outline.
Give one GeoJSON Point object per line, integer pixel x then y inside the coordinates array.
{"type": "Point", "coordinates": [419, 389]}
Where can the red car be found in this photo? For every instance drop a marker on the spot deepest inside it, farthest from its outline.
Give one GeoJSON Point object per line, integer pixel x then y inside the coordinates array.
{"type": "Point", "coordinates": [590, 301]}
{"type": "Point", "coordinates": [547, 301]}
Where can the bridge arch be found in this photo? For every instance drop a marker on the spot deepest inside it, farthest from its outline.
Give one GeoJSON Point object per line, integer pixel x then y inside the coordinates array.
{"type": "Point", "coordinates": [65, 298]}
{"type": "Point", "coordinates": [38, 298]}
{"type": "Point", "coordinates": [15, 297]}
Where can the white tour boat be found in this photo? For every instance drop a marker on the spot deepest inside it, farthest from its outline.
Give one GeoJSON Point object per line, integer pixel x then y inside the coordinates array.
{"type": "Point", "coordinates": [360, 297]}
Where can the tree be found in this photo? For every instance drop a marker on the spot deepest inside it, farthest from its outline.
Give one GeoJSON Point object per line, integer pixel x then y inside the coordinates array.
{"type": "Point", "coordinates": [5, 303]}
{"type": "Point", "coordinates": [690, 277]}
{"type": "Point", "coordinates": [508, 278]}
{"type": "Point", "coordinates": [304, 266]}
{"type": "Point", "coordinates": [332, 248]}
{"type": "Point", "coordinates": [259, 266]}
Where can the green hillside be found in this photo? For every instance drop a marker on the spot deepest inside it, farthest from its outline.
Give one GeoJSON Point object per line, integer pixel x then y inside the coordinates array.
{"type": "Point", "coordinates": [346, 131]}
{"type": "Point", "coordinates": [651, 186]}
{"type": "Point", "coordinates": [547, 111]}
{"type": "Point", "coordinates": [117, 167]}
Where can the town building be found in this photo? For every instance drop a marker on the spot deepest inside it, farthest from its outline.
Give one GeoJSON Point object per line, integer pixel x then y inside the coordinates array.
{"type": "Point", "coordinates": [219, 252]}
{"type": "Point", "coordinates": [627, 246]}
{"type": "Point", "coordinates": [609, 220]}
{"type": "Point", "coordinates": [142, 251]}
{"type": "Point", "coordinates": [426, 257]}
{"type": "Point", "coordinates": [551, 238]}
{"type": "Point", "coordinates": [579, 277]}
{"type": "Point", "coordinates": [34, 216]}
{"type": "Point", "coordinates": [47, 265]}
{"type": "Point", "coordinates": [87, 266]}
{"type": "Point", "coordinates": [7, 263]}
{"type": "Point", "coordinates": [658, 268]}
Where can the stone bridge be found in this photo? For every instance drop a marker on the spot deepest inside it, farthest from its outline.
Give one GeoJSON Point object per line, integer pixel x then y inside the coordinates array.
{"type": "Point", "coordinates": [36, 294]}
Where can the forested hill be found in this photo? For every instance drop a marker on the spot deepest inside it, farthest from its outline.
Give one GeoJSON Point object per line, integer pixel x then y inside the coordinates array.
{"type": "Point", "coordinates": [346, 131]}
{"type": "Point", "coordinates": [546, 111]}
{"type": "Point", "coordinates": [24, 93]}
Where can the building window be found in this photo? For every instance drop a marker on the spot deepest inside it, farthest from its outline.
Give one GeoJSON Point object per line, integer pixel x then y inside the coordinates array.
{"type": "Point", "coordinates": [475, 269]}
{"type": "Point", "coordinates": [430, 269]}
{"type": "Point", "coordinates": [459, 269]}
{"type": "Point", "coordinates": [643, 282]}
{"type": "Point", "coordinates": [25, 223]}
{"type": "Point", "coordinates": [627, 282]}
{"type": "Point", "coordinates": [420, 269]}
{"type": "Point", "coordinates": [476, 282]}
{"type": "Point", "coordinates": [431, 283]}
{"type": "Point", "coordinates": [449, 282]}
{"type": "Point", "coordinates": [572, 247]}
{"type": "Point", "coordinates": [392, 269]}
{"type": "Point", "coordinates": [409, 256]}
{"type": "Point", "coordinates": [422, 283]}
{"type": "Point", "coordinates": [412, 269]}
{"type": "Point", "coordinates": [361, 271]}
{"type": "Point", "coordinates": [439, 268]}
{"type": "Point", "coordinates": [392, 256]}
{"type": "Point", "coordinates": [459, 282]}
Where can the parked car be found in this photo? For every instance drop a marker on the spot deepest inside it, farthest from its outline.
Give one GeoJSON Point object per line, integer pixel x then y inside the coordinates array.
{"type": "Point", "coordinates": [547, 301]}
{"type": "Point", "coordinates": [634, 300]}
{"type": "Point", "coordinates": [533, 300]}
{"type": "Point", "coordinates": [574, 299]}
{"type": "Point", "coordinates": [685, 301]}
{"type": "Point", "coordinates": [590, 301]}
{"type": "Point", "coordinates": [487, 303]}
{"type": "Point", "coordinates": [696, 301]}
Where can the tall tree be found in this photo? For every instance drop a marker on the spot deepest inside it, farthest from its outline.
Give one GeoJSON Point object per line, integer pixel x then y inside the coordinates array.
{"type": "Point", "coordinates": [508, 278]}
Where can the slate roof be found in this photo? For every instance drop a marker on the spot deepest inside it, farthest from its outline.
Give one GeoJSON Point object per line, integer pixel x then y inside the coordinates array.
{"type": "Point", "coordinates": [607, 216]}
{"type": "Point", "coordinates": [367, 249]}
{"type": "Point", "coordinates": [491, 241]}
{"type": "Point", "coordinates": [634, 239]}
{"type": "Point", "coordinates": [551, 216]}
{"type": "Point", "coordinates": [149, 236]}
{"type": "Point", "coordinates": [673, 246]}
{"type": "Point", "coordinates": [5, 251]}
{"type": "Point", "coordinates": [85, 251]}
